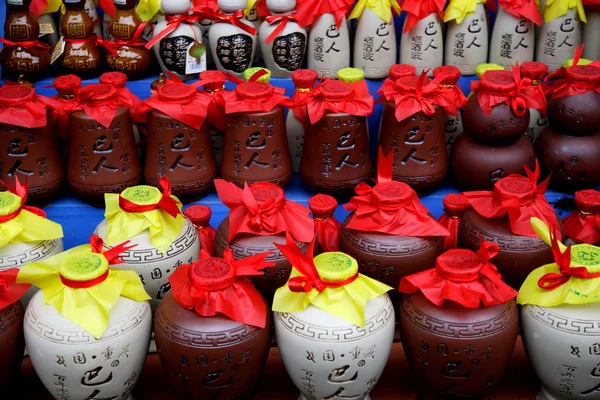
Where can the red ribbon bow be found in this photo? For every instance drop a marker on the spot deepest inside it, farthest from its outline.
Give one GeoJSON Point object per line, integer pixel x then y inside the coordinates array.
{"type": "Point", "coordinates": [235, 19]}
{"type": "Point", "coordinates": [283, 20]}
{"type": "Point", "coordinates": [10, 290]}
{"type": "Point", "coordinates": [21, 191]}
{"type": "Point", "coordinates": [309, 278]}
{"type": "Point", "coordinates": [527, 9]}
{"type": "Point", "coordinates": [553, 280]}
{"type": "Point", "coordinates": [416, 10]}
{"type": "Point", "coordinates": [359, 103]}
{"type": "Point", "coordinates": [135, 41]}
{"type": "Point", "coordinates": [32, 45]}
{"type": "Point", "coordinates": [308, 11]}
{"type": "Point", "coordinates": [103, 111]}
{"type": "Point", "coordinates": [173, 21]}
{"type": "Point", "coordinates": [236, 298]}
{"type": "Point", "coordinates": [166, 203]}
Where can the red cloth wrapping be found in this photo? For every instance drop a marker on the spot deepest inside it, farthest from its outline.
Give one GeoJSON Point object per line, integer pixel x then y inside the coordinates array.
{"type": "Point", "coordinates": [181, 102]}
{"type": "Point", "coordinates": [454, 207]}
{"type": "Point", "coordinates": [327, 227]}
{"type": "Point", "coordinates": [212, 5]}
{"type": "Point", "coordinates": [464, 277]}
{"type": "Point", "coordinates": [66, 85]}
{"type": "Point", "coordinates": [583, 224]}
{"type": "Point", "coordinates": [262, 209]}
{"type": "Point", "coordinates": [308, 11]}
{"type": "Point", "coordinates": [535, 71]}
{"type": "Point", "coordinates": [390, 207]}
{"type": "Point", "coordinates": [253, 97]}
{"type": "Point", "coordinates": [593, 4]}
{"type": "Point", "coordinates": [213, 82]}
{"type": "Point", "coordinates": [304, 80]}
{"type": "Point", "coordinates": [21, 106]}
{"type": "Point", "coordinates": [412, 94]}
{"type": "Point", "coordinates": [200, 215]}
{"type": "Point", "coordinates": [416, 10]}
{"type": "Point", "coordinates": [338, 96]}
{"type": "Point", "coordinates": [10, 290]}
{"type": "Point", "coordinates": [21, 191]}
{"type": "Point", "coordinates": [195, 288]}
{"type": "Point", "coordinates": [450, 88]}
{"type": "Point", "coordinates": [527, 9]}
{"type": "Point", "coordinates": [575, 80]}
{"type": "Point", "coordinates": [518, 197]}
{"type": "Point", "coordinates": [119, 81]}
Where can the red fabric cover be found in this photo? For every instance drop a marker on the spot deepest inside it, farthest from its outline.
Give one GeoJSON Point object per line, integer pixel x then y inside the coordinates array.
{"type": "Point", "coordinates": [10, 290]}
{"type": "Point", "coordinates": [450, 88]}
{"type": "Point", "coordinates": [305, 80]}
{"type": "Point", "coordinates": [309, 11]}
{"type": "Point", "coordinates": [416, 10]}
{"type": "Point", "coordinates": [583, 224]}
{"type": "Point", "coordinates": [534, 72]}
{"type": "Point", "coordinates": [21, 106]}
{"type": "Point", "coordinates": [327, 227]}
{"type": "Point", "coordinates": [455, 205]}
{"type": "Point", "coordinates": [252, 97]}
{"type": "Point", "coordinates": [200, 215]}
{"type": "Point", "coordinates": [527, 9]}
{"type": "Point", "coordinates": [338, 96]}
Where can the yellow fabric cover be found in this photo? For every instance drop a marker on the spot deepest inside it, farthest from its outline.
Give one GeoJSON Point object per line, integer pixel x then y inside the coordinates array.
{"type": "Point", "coordinates": [557, 8]}
{"type": "Point", "coordinates": [381, 8]}
{"type": "Point", "coordinates": [459, 9]}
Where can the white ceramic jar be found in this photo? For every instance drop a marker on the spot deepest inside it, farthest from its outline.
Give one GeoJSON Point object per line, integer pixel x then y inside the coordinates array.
{"type": "Point", "coordinates": [375, 48]}
{"type": "Point", "coordinates": [72, 364]}
{"type": "Point", "coordinates": [467, 43]}
{"type": "Point", "coordinates": [557, 40]}
{"type": "Point", "coordinates": [328, 46]}
{"type": "Point", "coordinates": [513, 40]}
{"type": "Point", "coordinates": [423, 45]}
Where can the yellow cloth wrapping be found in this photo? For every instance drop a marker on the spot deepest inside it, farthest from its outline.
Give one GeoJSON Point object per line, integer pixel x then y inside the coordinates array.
{"type": "Point", "coordinates": [347, 302]}
{"type": "Point", "coordinates": [25, 227]}
{"type": "Point", "coordinates": [147, 9]}
{"type": "Point", "coordinates": [576, 290]}
{"type": "Point", "coordinates": [90, 307]}
{"type": "Point", "coordinates": [251, 5]}
{"type": "Point", "coordinates": [381, 8]}
{"type": "Point", "coordinates": [557, 8]}
{"type": "Point", "coordinates": [123, 225]}
{"type": "Point", "coordinates": [459, 9]}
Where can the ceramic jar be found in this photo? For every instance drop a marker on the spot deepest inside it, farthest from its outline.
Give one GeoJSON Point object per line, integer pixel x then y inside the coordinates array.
{"type": "Point", "coordinates": [558, 38]}
{"type": "Point", "coordinates": [12, 345]}
{"type": "Point", "coordinates": [513, 36]}
{"type": "Point", "coordinates": [200, 215]}
{"type": "Point", "coordinates": [422, 41]}
{"type": "Point", "coordinates": [213, 82]}
{"type": "Point", "coordinates": [536, 71]}
{"type": "Point", "coordinates": [328, 40]}
{"type": "Point", "coordinates": [581, 226]}
{"type": "Point", "coordinates": [81, 55]}
{"type": "Point", "coordinates": [304, 81]}
{"type": "Point", "coordinates": [23, 53]}
{"type": "Point", "coordinates": [449, 85]}
{"type": "Point", "coordinates": [467, 38]}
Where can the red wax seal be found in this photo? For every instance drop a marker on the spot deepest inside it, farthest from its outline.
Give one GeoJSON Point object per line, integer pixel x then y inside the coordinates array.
{"type": "Point", "coordinates": [117, 79]}
{"type": "Point", "coordinates": [198, 214]}
{"type": "Point", "coordinates": [67, 85]}
{"type": "Point", "coordinates": [516, 186]}
{"type": "Point", "coordinates": [212, 274]}
{"type": "Point", "coordinates": [96, 92]}
{"type": "Point", "coordinates": [393, 190]}
{"type": "Point", "coordinates": [176, 92]}
{"type": "Point", "coordinates": [451, 72]}
{"type": "Point", "coordinates": [215, 80]}
{"type": "Point", "coordinates": [400, 70]}
{"type": "Point", "coordinates": [254, 90]}
{"type": "Point", "coordinates": [583, 73]}
{"type": "Point", "coordinates": [459, 265]}
{"type": "Point", "coordinates": [534, 70]}
{"type": "Point", "coordinates": [263, 191]}
{"type": "Point", "coordinates": [498, 81]}
{"type": "Point", "coordinates": [336, 90]}
{"type": "Point", "coordinates": [455, 204]}
{"type": "Point", "coordinates": [322, 206]}
{"type": "Point", "coordinates": [305, 78]}
{"type": "Point", "coordinates": [588, 201]}
{"type": "Point", "coordinates": [409, 83]}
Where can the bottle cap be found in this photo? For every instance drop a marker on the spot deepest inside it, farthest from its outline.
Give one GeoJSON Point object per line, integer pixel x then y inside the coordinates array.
{"type": "Point", "coordinates": [97, 92]}
{"type": "Point", "coordinates": [336, 90]}
{"type": "Point", "coordinates": [263, 191]}
{"type": "Point", "coordinates": [305, 78]}
{"type": "Point", "coordinates": [9, 203]}
{"type": "Point", "coordinates": [67, 85]}
{"type": "Point", "coordinates": [253, 90]}
{"type": "Point", "coordinates": [455, 204]}
{"type": "Point", "coordinates": [335, 266]}
{"type": "Point", "coordinates": [588, 201]}
{"type": "Point", "coordinates": [533, 70]}
{"type": "Point", "coordinates": [400, 70]}
{"type": "Point", "coordinates": [459, 265]}
{"type": "Point", "coordinates": [452, 74]}
{"type": "Point", "coordinates": [322, 206]}
{"type": "Point", "coordinates": [350, 75]}
{"type": "Point", "coordinates": [212, 273]}
{"type": "Point", "coordinates": [217, 80]}
{"type": "Point", "coordinates": [83, 266]}
{"type": "Point", "coordinates": [142, 195]}
{"type": "Point", "coordinates": [498, 81]}
{"type": "Point", "coordinates": [251, 71]}
{"type": "Point", "coordinates": [198, 214]}
{"type": "Point", "coordinates": [17, 94]}
{"type": "Point", "coordinates": [481, 68]}
{"type": "Point", "coordinates": [583, 73]}
{"type": "Point", "coordinates": [409, 83]}
{"type": "Point", "coordinates": [582, 61]}
{"type": "Point", "coordinates": [117, 79]}
{"type": "Point", "coordinates": [176, 92]}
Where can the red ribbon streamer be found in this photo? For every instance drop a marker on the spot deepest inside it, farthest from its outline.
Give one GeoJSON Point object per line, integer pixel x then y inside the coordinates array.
{"type": "Point", "coordinates": [166, 202]}
{"type": "Point", "coordinates": [416, 10]}
{"type": "Point", "coordinates": [235, 19]}
{"type": "Point", "coordinates": [283, 20]}
{"type": "Point", "coordinates": [583, 224]}
{"type": "Point", "coordinates": [10, 290]}
{"type": "Point", "coordinates": [84, 284]}
{"type": "Point", "coordinates": [21, 191]}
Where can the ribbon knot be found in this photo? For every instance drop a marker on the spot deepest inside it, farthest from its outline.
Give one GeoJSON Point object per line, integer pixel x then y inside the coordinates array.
{"type": "Point", "coordinates": [283, 20]}
{"type": "Point", "coordinates": [135, 40]}
{"type": "Point", "coordinates": [166, 202]}
{"type": "Point", "coordinates": [235, 19]}
{"type": "Point", "coordinates": [173, 22]}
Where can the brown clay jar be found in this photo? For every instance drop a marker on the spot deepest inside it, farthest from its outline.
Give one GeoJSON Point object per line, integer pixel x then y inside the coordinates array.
{"type": "Point", "coordinates": [209, 357]}
{"type": "Point", "coordinates": [132, 58]}
{"type": "Point", "coordinates": [456, 352]}
{"type": "Point", "coordinates": [255, 146]}
{"type": "Point", "coordinates": [81, 55]}
{"type": "Point", "coordinates": [418, 143]}
{"type": "Point", "coordinates": [101, 159]}
{"type": "Point", "coordinates": [12, 345]}
{"type": "Point", "coordinates": [181, 153]}
{"type": "Point", "coordinates": [30, 153]}
{"type": "Point", "coordinates": [67, 87]}
{"type": "Point", "coordinates": [335, 156]}
{"type": "Point", "coordinates": [28, 56]}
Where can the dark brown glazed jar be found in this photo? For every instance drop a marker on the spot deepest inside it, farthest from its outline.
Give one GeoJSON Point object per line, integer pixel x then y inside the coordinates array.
{"type": "Point", "coordinates": [255, 146]}
{"type": "Point", "coordinates": [102, 156]}
{"type": "Point", "coordinates": [417, 141]}
{"type": "Point", "coordinates": [23, 53]}
{"type": "Point", "coordinates": [182, 153]}
{"type": "Point", "coordinates": [213, 82]}
{"type": "Point", "coordinates": [335, 156]}
{"type": "Point", "coordinates": [12, 345]}
{"type": "Point", "coordinates": [67, 87]}
{"type": "Point", "coordinates": [81, 55]}
{"type": "Point", "coordinates": [131, 58]}
{"type": "Point", "coordinates": [213, 356]}
{"type": "Point", "coordinates": [30, 153]}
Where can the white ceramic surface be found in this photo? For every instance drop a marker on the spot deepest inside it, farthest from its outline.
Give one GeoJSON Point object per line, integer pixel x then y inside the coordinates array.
{"type": "Point", "coordinates": [423, 45]}
{"type": "Point", "coordinates": [295, 135]}
{"type": "Point", "coordinates": [591, 35]}
{"type": "Point", "coordinates": [329, 358]}
{"type": "Point", "coordinates": [513, 40]}
{"type": "Point", "coordinates": [563, 347]}
{"type": "Point", "coordinates": [328, 46]}
{"type": "Point", "coordinates": [467, 43]}
{"type": "Point", "coordinates": [72, 364]}
{"type": "Point", "coordinates": [375, 48]}
{"type": "Point", "coordinates": [537, 123]}
{"type": "Point", "coordinates": [154, 267]}
{"type": "Point", "coordinates": [557, 39]}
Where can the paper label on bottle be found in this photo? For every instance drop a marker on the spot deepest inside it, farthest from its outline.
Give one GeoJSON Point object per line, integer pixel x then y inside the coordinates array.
{"type": "Point", "coordinates": [58, 50]}
{"type": "Point", "coordinates": [46, 29]}
{"type": "Point", "coordinates": [192, 65]}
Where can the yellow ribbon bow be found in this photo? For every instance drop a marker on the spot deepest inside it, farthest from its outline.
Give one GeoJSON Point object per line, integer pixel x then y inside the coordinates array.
{"type": "Point", "coordinates": [331, 282]}
{"type": "Point", "coordinates": [574, 290]}
{"type": "Point", "coordinates": [557, 8]}
{"type": "Point", "coordinates": [79, 284]}
{"type": "Point", "coordinates": [459, 9]}
{"type": "Point", "coordinates": [381, 8]}
{"type": "Point", "coordinates": [127, 222]}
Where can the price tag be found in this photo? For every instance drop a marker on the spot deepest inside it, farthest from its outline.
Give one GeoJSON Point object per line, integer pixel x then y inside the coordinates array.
{"type": "Point", "coordinates": [58, 50]}
{"type": "Point", "coordinates": [195, 60]}
{"type": "Point", "coordinates": [46, 29]}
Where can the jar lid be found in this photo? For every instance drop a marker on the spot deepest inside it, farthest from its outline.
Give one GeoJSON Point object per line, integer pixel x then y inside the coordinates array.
{"type": "Point", "coordinates": [142, 195]}
{"type": "Point", "coordinates": [83, 266]}
{"type": "Point", "coordinates": [305, 78]}
{"type": "Point", "coordinates": [582, 61]}
{"type": "Point", "coordinates": [588, 201]}
{"type": "Point", "coordinates": [96, 92]}
{"type": "Point", "coordinates": [263, 191]}
{"type": "Point", "coordinates": [498, 81]}
{"type": "Point", "coordinates": [251, 71]}
{"type": "Point", "coordinates": [400, 70]}
{"type": "Point", "coordinates": [198, 214]}
{"type": "Point", "coordinates": [455, 204]}
{"type": "Point", "coordinates": [177, 92]}
{"type": "Point", "coordinates": [322, 206]}
{"type": "Point", "coordinates": [350, 74]}
{"type": "Point", "coordinates": [533, 70]}
{"type": "Point", "coordinates": [482, 68]}
{"type": "Point", "coordinates": [67, 85]}
{"type": "Point", "coordinates": [9, 203]}
{"type": "Point", "coordinates": [16, 93]}
{"type": "Point", "coordinates": [253, 90]}
{"type": "Point", "coordinates": [583, 73]}
{"type": "Point", "coordinates": [212, 274]}
{"type": "Point", "coordinates": [452, 74]}
{"type": "Point", "coordinates": [409, 83]}
{"type": "Point", "coordinates": [516, 186]}
{"type": "Point", "coordinates": [335, 266]}
{"type": "Point", "coordinates": [336, 90]}
{"type": "Point", "coordinates": [117, 79]}
{"type": "Point", "coordinates": [393, 190]}
{"type": "Point", "coordinates": [217, 80]}
{"type": "Point", "coordinates": [459, 265]}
